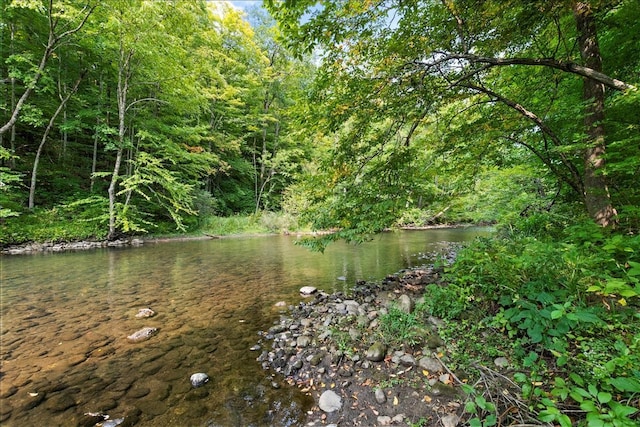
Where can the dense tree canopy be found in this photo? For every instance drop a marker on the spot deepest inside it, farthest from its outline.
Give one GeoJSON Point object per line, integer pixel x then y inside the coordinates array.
{"type": "Point", "coordinates": [135, 112]}
{"type": "Point", "coordinates": [476, 84]}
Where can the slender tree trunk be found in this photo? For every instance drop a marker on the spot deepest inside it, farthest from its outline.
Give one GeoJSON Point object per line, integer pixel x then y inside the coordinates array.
{"type": "Point", "coordinates": [34, 172]}
{"type": "Point", "coordinates": [52, 42]}
{"type": "Point", "coordinates": [596, 193]}
{"type": "Point", "coordinates": [122, 91]}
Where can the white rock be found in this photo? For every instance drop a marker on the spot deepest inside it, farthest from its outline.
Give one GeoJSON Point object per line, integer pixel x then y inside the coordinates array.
{"type": "Point", "coordinates": [199, 379]}
{"type": "Point", "coordinates": [330, 401]}
{"type": "Point", "coordinates": [450, 420]}
{"type": "Point", "coordinates": [384, 420]}
{"type": "Point", "coordinates": [308, 290]}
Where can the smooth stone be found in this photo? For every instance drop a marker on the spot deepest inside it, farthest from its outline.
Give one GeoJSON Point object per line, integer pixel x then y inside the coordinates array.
{"type": "Point", "coordinates": [330, 401]}
{"type": "Point", "coordinates": [308, 290]}
{"type": "Point", "coordinates": [376, 352]}
{"type": "Point", "coordinates": [145, 312]}
{"type": "Point", "coordinates": [444, 390]}
{"type": "Point", "coordinates": [407, 360]}
{"type": "Point", "coordinates": [431, 364]}
{"type": "Point", "coordinates": [113, 423]}
{"type": "Point", "coordinates": [199, 379]}
{"type": "Point", "coordinates": [142, 335]}
{"type": "Point", "coordinates": [434, 341]}
{"type": "Point", "coordinates": [384, 420]}
{"type": "Point", "coordinates": [450, 420]}
{"type": "Point", "coordinates": [303, 341]}
{"type": "Point", "coordinates": [405, 303]}
{"type": "Point", "coordinates": [380, 396]}
{"type": "Point", "coordinates": [501, 362]}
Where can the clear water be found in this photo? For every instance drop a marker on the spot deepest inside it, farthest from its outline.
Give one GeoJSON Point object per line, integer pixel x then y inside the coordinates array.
{"type": "Point", "coordinates": [65, 318]}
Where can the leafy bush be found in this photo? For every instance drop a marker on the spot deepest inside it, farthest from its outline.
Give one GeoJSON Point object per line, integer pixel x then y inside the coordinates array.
{"type": "Point", "coordinates": [568, 307]}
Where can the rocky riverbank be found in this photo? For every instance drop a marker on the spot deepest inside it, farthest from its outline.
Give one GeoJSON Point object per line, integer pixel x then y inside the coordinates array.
{"type": "Point", "coordinates": [333, 348]}
{"type": "Point", "coordinates": [30, 248]}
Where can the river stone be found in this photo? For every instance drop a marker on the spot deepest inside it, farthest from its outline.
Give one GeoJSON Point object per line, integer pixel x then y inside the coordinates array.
{"type": "Point", "coordinates": [407, 360]}
{"type": "Point", "coordinates": [501, 362]}
{"type": "Point", "coordinates": [430, 364]}
{"type": "Point", "coordinates": [330, 401]}
{"type": "Point", "coordinates": [376, 352]}
{"type": "Point", "coordinates": [405, 303]}
{"type": "Point", "coordinates": [384, 420]}
{"type": "Point", "coordinates": [142, 335]}
{"type": "Point", "coordinates": [113, 423]}
{"type": "Point", "coordinates": [145, 312]}
{"type": "Point", "coordinates": [380, 396]}
{"type": "Point", "coordinates": [450, 420]}
{"type": "Point", "coordinates": [199, 379]}
{"type": "Point", "coordinates": [308, 290]}
{"type": "Point", "coordinates": [303, 341]}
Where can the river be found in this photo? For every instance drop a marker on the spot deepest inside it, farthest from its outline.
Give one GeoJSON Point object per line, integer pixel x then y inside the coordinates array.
{"type": "Point", "coordinates": [65, 319]}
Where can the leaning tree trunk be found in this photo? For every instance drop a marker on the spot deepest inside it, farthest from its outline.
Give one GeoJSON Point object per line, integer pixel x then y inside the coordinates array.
{"type": "Point", "coordinates": [596, 193]}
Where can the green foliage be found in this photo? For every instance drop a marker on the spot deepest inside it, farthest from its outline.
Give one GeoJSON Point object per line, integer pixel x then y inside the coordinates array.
{"type": "Point", "coordinates": [567, 311]}
{"type": "Point", "coordinates": [483, 413]}
{"type": "Point", "coordinates": [80, 220]}
{"type": "Point", "coordinates": [399, 328]}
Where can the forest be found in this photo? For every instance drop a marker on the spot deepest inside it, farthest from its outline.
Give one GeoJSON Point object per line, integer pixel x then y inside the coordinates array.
{"type": "Point", "coordinates": [135, 117]}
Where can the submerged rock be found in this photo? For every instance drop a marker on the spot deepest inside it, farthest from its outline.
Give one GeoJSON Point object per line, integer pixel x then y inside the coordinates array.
{"type": "Point", "coordinates": [142, 335]}
{"type": "Point", "coordinates": [199, 379]}
{"type": "Point", "coordinates": [145, 312]}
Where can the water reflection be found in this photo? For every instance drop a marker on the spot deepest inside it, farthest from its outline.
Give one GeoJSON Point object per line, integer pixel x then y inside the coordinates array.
{"type": "Point", "coordinates": [65, 319]}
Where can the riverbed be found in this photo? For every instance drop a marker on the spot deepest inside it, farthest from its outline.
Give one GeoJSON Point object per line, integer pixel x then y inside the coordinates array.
{"type": "Point", "coordinates": [65, 319]}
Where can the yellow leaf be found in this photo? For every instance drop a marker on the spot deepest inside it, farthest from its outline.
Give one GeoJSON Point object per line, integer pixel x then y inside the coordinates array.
{"type": "Point", "coordinates": [622, 302]}
{"type": "Point", "coordinates": [427, 399]}
{"type": "Point", "coordinates": [395, 401]}
{"type": "Point", "coordinates": [425, 372]}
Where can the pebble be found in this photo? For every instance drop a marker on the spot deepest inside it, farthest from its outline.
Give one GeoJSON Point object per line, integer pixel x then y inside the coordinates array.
{"type": "Point", "coordinates": [199, 379]}
{"type": "Point", "coordinates": [142, 335]}
{"type": "Point", "coordinates": [380, 396]}
{"type": "Point", "coordinates": [145, 312]}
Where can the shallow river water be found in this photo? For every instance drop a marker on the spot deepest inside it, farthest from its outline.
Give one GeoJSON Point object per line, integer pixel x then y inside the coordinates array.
{"type": "Point", "coordinates": [65, 319]}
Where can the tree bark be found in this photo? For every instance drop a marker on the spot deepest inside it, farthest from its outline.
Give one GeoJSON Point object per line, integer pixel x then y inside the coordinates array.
{"type": "Point", "coordinates": [34, 172]}
{"type": "Point", "coordinates": [596, 193]}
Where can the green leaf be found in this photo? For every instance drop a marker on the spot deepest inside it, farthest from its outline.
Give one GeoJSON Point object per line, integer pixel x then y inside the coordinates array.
{"type": "Point", "coordinates": [475, 422]}
{"type": "Point", "coordinates": [604, 397]}
{"type": "Point", "coordinates": [626, 384]}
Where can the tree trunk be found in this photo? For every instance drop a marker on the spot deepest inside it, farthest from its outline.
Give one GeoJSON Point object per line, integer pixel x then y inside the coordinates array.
{"type": "Point", "coordinates": [596, 193]}
{"type": "Point", "coordinates": [34, 172]}
{"type": "Point", "coordinates": [124, 73]}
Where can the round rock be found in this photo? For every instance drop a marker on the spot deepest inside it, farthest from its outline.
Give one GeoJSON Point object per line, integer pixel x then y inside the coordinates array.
{"type": "Point", "coordinates": [330, 401]}
{"type": "Point", "coordinates": [199, 379]}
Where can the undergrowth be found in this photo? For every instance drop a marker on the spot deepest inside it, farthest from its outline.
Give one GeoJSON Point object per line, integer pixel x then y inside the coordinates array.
{"type": "Point", "coordinates": [564, 308]}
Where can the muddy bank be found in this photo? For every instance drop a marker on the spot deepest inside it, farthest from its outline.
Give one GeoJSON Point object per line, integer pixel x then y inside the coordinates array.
{"type": "Point", "coordinates": [332, 347]}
